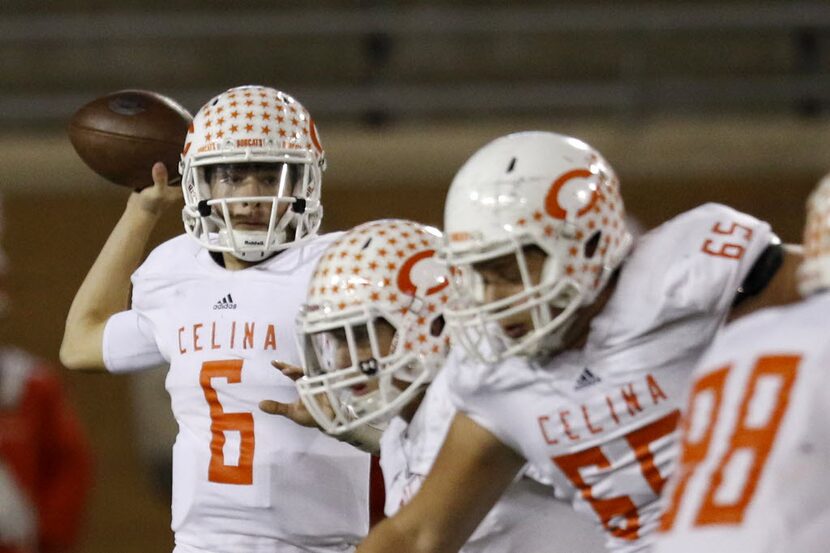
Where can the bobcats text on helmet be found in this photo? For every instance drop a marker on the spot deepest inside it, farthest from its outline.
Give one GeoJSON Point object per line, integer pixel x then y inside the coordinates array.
{"type": "Point", "coordinates": [372, 331]}
{"type": "Point", "coordinates": [531, 189]}
{"type": "Point", "coordinates": [814, 272]}
{"type": "Point", "coordinates": [253, 125]}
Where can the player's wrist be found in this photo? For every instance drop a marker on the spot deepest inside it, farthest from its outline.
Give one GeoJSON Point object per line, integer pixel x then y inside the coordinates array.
{"type": "Point", "coordinates": [366, 438]}
{"type": "Point", "coordinates": [140, 205]}
{"type": "Point", "coordinates": [144, 210]}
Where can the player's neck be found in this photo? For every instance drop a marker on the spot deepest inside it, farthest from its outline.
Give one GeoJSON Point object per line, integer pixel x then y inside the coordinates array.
{"type": "Point", "coordinates": [577, 336]}
{"type": "Point", "coordinates": [408, 411]}
{"type": "Point", "coordinates": [233, 263]}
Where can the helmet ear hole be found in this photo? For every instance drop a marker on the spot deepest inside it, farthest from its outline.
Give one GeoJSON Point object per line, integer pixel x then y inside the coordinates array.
{"type": "Point", "coordinates": [437, 326]}
{"type": "Point", "coordinates": [592, 244]}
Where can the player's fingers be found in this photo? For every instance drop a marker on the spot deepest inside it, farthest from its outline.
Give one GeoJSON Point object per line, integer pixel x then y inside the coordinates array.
{"type": "Point", "coordinates": [294, 412]}
{"type": "Point", "coordinates": [159, 174]}
{"type": "Point", "coordinates": [291, 371]}
{"type": "Point", "coordinates": [274, 407]}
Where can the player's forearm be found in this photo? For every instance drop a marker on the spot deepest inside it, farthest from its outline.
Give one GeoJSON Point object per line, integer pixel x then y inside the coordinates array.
{"type": "Point", "coordinates": [392, 536]}
{"type": "Point", "coordinates": [453, 500]}
{"type": "Point", "coordinates": [105, 289]}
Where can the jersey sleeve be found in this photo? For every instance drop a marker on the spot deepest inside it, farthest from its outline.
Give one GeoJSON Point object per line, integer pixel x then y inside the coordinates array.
{"type": "Point", "coordinates": [722, 245]}
{"type": "Point", "coordinates": [691, 265]}
{"type": "Point", "coordinates": [129, 344]}
{"type": "Point", "coordinates": [130, 337]}
{"type": "Point", "coordinates": [484, 393]}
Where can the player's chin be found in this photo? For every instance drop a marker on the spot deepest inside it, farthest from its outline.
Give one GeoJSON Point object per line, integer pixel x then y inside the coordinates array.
{"type": "Point", "coordinates": [361, 390]}
{"type": "Point", "coordinates": [251, 227]}
{"type": "Point", "coordinates": [515, 329]}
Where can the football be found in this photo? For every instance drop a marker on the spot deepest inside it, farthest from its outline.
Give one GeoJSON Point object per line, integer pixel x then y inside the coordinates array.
{"type": "Point", "coordinates": [120, 136]}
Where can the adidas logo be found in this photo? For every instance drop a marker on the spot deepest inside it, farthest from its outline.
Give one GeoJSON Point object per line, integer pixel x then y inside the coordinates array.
{"type": "Point", "coordinates": [587, 378]}
{"type": "Point", "coordinates": [225, 303]}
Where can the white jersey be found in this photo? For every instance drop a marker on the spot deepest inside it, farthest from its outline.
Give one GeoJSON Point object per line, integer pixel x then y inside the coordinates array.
{"type": "Point", "coordinates": [756, 439]}
{"type": "Point", "coordinates": [526, 518]}
{"type": "Point", "coordinates": [243, 480]}
{"type": "Point", "coordinates": [599, 422]}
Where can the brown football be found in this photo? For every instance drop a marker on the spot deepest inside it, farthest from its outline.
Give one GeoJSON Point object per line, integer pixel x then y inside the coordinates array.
{"type": "Point", "coordinates": [120, 136]}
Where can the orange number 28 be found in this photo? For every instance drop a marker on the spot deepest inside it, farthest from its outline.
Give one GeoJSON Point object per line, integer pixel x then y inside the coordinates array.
{"type": "Point", "coordinates": [221, 422]}
{"type": "Point", "coordinates": [747, 436]}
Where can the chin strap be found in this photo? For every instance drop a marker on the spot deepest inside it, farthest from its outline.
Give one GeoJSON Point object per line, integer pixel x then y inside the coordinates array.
{"type": "Point", "coordinates": [256, 238]}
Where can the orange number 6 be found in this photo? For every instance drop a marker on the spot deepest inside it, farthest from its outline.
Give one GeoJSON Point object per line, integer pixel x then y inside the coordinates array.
{"type": "Point", "coordinates": [221, 422]}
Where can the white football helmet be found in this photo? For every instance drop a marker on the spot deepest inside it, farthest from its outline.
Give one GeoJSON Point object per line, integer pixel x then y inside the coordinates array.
{"type": "Point", "coordinates": [531, 189]}
{"type": "Point", "coordinates": [814, 272]}
{"type": "Point", "coordinates": [253, 124]}
{"type": "Point", "coordinates": [372, 331]}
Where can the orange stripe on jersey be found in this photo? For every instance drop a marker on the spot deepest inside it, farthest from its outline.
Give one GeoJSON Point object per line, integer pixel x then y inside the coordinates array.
{"type": "Point", "coordinates": [642, 438]}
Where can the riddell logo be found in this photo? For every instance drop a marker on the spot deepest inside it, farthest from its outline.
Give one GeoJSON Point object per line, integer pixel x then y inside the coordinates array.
{"type": "Point", "coordinates": [225, 303]}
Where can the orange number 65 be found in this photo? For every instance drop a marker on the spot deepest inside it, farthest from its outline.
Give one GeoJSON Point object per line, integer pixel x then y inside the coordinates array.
{"type": "Point", "coordinates": [221, 422]}
{"type": "Point", "coordinates": [730, 250]}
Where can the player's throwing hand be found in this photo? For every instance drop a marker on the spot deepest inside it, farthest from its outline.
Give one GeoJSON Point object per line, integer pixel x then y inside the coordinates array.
{"type": "Point", "coordinates": [296, 411]}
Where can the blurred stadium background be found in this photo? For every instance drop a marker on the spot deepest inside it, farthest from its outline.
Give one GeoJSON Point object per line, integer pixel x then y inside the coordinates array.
{"type": "Point", "coordinates": [690, 101]}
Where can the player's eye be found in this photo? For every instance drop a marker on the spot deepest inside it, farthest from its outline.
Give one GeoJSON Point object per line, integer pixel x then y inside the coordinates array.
{"type": "Point", "coordinates": [361, 335]}
{"type": "Point", "coordinates": [228, 176]}
{"type": "Point", "coordinates": [338, 335]}
{"type": "Point", "coordinates": [270, 179]}
{"type": "Point", "coordinates": [237, 177]}
{"type": "Point", "coordinates": [294, 174]}
{"type": "Point", "coordinates": [511, 274]}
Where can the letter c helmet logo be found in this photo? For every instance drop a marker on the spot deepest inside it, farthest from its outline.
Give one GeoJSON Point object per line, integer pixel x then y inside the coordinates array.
{"type": "Point", "coordinates": [312, 131]}
{"type": "Point", "coordinates": [559, 200]}
{"type": "Point", "coordinates": [422, 271]}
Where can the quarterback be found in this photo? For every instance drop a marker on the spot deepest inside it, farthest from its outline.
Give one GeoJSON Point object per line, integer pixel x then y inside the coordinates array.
{"type": "Point", "coordinates": [218, 304]}
{"type": "Point", "coordinates": [754, 443]}
{"type": "Point", "coordinates": [375, 342]}
{"type": "Point", "coordinates": [577, 342]}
